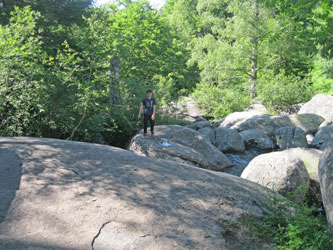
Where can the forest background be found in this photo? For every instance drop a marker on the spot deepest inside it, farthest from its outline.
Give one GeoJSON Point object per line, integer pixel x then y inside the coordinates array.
{"type": "Point", "coordinates": [70, 69]}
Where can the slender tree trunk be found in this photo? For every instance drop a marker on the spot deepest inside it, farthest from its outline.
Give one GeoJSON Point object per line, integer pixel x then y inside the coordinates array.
{"type": "Point", "coordinates": [77, 126]}
{"type": "Point", "coordinates": [114, 84]}
{"type": "Point", "coordinates": [254, 53]}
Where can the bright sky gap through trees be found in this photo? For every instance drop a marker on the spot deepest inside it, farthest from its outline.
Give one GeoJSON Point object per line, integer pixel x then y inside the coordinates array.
{"type": "Point", "coordinates": [155, 3]}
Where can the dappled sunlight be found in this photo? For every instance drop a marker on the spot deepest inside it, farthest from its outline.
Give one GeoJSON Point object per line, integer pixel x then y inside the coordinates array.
{"type": "Point", "coordinates": [71, 188]}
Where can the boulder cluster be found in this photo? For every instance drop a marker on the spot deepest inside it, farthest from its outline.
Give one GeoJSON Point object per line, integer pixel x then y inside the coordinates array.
{"type": "Point", "coordinates": [280, 152]}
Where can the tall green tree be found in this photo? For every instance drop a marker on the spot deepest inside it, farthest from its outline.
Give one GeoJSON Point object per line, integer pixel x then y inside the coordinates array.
{"type": "Point", "coordinates": [57, 18]}
{"type": "Point", "coordinates": [248, 40]}
{"type": "Point", "coordinates": [21, 74]}
{"type": "Point", "coordinates": [63, 12]}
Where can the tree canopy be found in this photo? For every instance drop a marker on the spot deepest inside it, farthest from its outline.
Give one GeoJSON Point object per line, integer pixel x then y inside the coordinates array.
{"type": "Point", "coordinates": [75, 71]}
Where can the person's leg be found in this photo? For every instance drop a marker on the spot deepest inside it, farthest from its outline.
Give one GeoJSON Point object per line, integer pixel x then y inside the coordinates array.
{"type": "Point", "coordinates": [152, 123]}
{"type": "Point", "coordinates": [145, 123]}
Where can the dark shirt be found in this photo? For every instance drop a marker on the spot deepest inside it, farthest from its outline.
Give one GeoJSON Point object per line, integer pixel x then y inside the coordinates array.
{"type": "Point", "coordinates": [149, 105]}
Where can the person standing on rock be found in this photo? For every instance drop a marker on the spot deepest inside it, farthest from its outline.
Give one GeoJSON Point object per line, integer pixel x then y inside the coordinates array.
{"type": "Point", "coordinates": [148, 106]}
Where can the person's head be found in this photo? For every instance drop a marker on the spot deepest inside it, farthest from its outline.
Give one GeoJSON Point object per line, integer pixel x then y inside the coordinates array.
{"type": "Point", "coordinates": [149, 93]}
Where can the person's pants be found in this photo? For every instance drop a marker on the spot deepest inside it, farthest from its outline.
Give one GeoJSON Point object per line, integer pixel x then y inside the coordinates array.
{"type": "Point", "coordinates": [145, 122]}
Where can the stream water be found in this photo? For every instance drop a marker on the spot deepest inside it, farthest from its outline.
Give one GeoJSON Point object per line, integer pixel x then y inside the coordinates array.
{"type": "Point", "coordinates": [240, 161]}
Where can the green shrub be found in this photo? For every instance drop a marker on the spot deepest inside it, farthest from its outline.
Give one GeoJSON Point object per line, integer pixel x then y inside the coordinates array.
{"type": "Point", "coordinates": [291, 226]}
{"type": "Point", "coordinates": [322, 75]}
{"type": "Point", "coordinates": [218, 102]}
{"type": "Point", "coordinates": [21, 68]}
{"type": "Point", "coordinates": [280, 91]}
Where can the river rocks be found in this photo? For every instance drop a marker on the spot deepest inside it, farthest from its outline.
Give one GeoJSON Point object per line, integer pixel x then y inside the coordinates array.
{"type": "Point", "coordinates": [200, 124]}
{"type": "Point", "coordinates": [185, 109]}
{"type": "Point", "coordinates": [310, 157]}
{"type": "Point", "coordinates": [326, 183]}
{"type": "Point", "coordinates": [290, 137]}
{"type": "Point", "coordinates": [321, 105]}
{"type": "Point", "coordinates": [308, 122]}
{"type": "Point", "coordinates": [256, 138]}
{"type": "Point", "coordinates": [279, 172]}
{"type": "Point", "coordinates": [269, 124]}
{"type": "Point", "coordinates": [208, 133]}
{"type": "Point", "coordinates": [187, 146]}
{"type": "Point", "coordinates": [229, 140]}
{"type": "Point", "coordinates": [292, 109]}
{"type": "Point", "coordinates": [323, 138]}
{"type": "Point", "coordinates": [236, 119]}
{"type": "Point", "coordinates": [75, 195]}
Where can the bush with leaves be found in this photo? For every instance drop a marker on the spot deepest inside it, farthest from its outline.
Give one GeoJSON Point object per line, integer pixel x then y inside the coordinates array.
{"type": "Point", "coordinates": [218, 102]}
{"type": "Point", "coordinates": [291, 226]}
{"type": "Point", "coordinates": [280, 91]}
{"type": "Point", "coordinates": [21, 75]}
{"type": "Point", "coordinates": [322, 75]}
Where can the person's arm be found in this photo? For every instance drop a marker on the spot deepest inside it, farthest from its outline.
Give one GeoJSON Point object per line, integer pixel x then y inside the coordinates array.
{"type": "Point", "coordinates": [141, 110]}
{"type": "Point", "coordinates": [153, 116]}
{"type": "Point", "coordinates": [154, 108]}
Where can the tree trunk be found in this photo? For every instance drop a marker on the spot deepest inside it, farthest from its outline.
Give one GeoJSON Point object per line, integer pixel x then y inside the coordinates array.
{"type": "Point", "coordinates": [254, 53]}
{"type": "Point", "coordinates": [114, 84]}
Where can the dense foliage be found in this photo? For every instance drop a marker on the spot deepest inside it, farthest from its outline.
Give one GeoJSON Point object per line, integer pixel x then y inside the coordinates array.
{"type": "Point", "coordinates": [71, 70]}
{"type": "Point", "coordinates": [88, 87]}
{"type": "Point", "coordinates": [291, 226]}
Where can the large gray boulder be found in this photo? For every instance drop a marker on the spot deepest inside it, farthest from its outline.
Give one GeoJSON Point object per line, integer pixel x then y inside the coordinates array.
{"type": "Point", "coordinates": [321, 105]}
{"type": "Point", "coordinates": [255, 138]}
{"type": "Point", "coordinates": [200, 124]}
{"type": "Point", "coordinates": [269, 124]}
{"type": "Point", "coordinates": [290, 137]}
{"type": "Point", "coordinates": [326, 183]}
{"type": "Point", "coordinates": [184, 109]}
{"type": "Point", "coordinates": [280, 172]}
{"type": "Point", "coordinates": [208, 133]}
{"type": "Point", "coordinates": [323, 138]}
{"type": "Point", "coordinates": [74, 195]}
{"type": "Point", "coordinates": [229, 140]}
{"type": "Point", "coordinates": [187, 146]}
{"type": "Point", "coordinates": [234, 120]}
{"type": "Point", "coordinates": [310, 158]}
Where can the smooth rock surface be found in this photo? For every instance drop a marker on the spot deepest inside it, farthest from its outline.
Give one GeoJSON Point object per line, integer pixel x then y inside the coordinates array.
{"type": "Point", "coordinates": [326, 183]}
{"type": "Point", "coordinates": [80, 196]}
{"type": "Point", "coordinates": [236, 118]}
{"type": "Point", "coordinates": [290, 137]}
{"type": "Point", "coordinates": [321, 105]}
{"type": "Point", "coordinates": [255, 138]}
{"type": "Point", "coordinates": [10, 174]}
{"type": "Point", "coordinates": [228, 140]}
{"type": "Point", "coordinates": [200, 124]}
{"type": "Point", "coordinates": [269, 124]}
{"type": "Point", "coordinates": [187, 146]}
{"type": "Point", "coordinates": [279, 171]}
{"type": "Point", "coordinates": [310, 158]}
{"type": "Point", "coordinates": [208, 133]}
{"type": "Point", "coordinates": [323, 138]}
